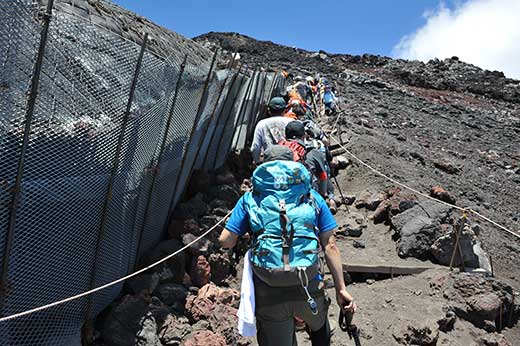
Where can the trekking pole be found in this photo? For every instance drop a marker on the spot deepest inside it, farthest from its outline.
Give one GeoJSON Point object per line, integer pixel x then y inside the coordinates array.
{"type": "Point", "coordinates": [345, 324]}
{"type": "Point", "coordinates": [343, 199]}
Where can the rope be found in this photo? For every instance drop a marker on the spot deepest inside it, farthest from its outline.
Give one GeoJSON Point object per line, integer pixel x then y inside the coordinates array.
{"type": "Point", "coordinates": [464, 210]}
{"type": "Point", "coordinates": [94, 290]}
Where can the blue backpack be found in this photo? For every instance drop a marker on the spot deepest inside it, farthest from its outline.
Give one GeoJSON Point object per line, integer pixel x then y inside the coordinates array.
{"type": "Point", "coordinates": [283, 220]}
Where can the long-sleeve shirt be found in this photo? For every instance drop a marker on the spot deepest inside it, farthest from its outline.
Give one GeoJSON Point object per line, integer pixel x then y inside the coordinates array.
{"type": "Point", "coordinates": [268, 132]}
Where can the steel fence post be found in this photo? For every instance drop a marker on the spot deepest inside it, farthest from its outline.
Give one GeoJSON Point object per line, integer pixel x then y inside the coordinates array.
{"type": "Point", "coordinates": [161, 152]}
{"type": "Point", "coordinates": [195, 122]}
{"type": "Point", "coordinates": [115, 164]}
{"type": "Point", "coordinates": [16, 191]}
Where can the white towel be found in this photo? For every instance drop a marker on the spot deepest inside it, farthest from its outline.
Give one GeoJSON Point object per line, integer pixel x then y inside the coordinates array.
{"type": "Point", "coordinates": [246, 310]}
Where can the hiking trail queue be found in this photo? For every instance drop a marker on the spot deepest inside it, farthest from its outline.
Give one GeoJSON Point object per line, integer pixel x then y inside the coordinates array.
{"type": "Point", "coordinates": [288, 218]}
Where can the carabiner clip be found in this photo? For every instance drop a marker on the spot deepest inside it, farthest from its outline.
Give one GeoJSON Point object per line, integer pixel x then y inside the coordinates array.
{"type": "Point", "coordinates": [313, 306]}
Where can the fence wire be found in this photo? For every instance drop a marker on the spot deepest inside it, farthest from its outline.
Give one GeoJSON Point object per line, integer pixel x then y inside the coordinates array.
{"type": "Point", "coordinates": [84, 217]}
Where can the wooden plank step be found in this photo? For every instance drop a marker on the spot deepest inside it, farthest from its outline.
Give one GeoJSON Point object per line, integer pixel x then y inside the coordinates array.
{"type": "Point", "coordinates": [389, 269]}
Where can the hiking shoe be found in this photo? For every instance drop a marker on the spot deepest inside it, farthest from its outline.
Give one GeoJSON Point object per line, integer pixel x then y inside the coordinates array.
{"type": "Point", "coordinates": [333, 207]}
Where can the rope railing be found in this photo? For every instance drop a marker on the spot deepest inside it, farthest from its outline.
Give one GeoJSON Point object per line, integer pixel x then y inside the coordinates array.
{"type": "Point", "coordinates": [115, 282]}
{"type": "Point", "coordinates": [464, 210]}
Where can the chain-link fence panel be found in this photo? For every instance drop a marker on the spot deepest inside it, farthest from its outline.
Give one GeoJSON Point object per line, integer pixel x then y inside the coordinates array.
{"type": "Point", "coordinates": [104, 162]}
{"type": "Point", "coordinates": [141, 139]}
{"type": "Point", "coordinates": [73, 132]}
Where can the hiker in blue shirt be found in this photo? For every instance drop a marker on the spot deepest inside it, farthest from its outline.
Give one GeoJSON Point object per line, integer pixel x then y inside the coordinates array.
{"type": "Point", "coordinates": [289, 224]}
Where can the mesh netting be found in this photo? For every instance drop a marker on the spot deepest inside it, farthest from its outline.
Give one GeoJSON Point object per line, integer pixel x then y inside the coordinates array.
{"type": "Point", "coordinates": [85, 216]}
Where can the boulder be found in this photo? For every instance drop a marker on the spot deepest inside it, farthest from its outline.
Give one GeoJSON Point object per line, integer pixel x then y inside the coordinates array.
{"type": "Point", "coordinates": [225, 178]}
{"type": "Point", "coordinates": [417, 333]}
{"type": "Point", "coordinates": [175, 266]}
{"type": "Point", "coordinates": [473, 256]}
{"type": "Point", "coordinates": [223, 320]}
{"type": "Point", "coordinates": [447, 166]}
{"type": "Point", "coordinates": [447, 323]}
{"type": "Point", "coordinates": [476, 298]}
{"type": "Point", "coordinates": [194, 208]}
{"type": "Point", "coordinates": [174, 330]}
{"type": "Point", "coordinates": [485, 306]}
{"type": "Point", "coordinates": [130, 322]}
{"type": "Point", "coordinates": [180, 227]}
{"type": "Point", "coordinates": [220, 264]}
{"type": "Point", "coordinates": [370, 202]}
{"type": "Point", "coordinates": [342, 162]}
{"type": "Point", "coordinates": [173, 295]}
{"type": "Point", "coordinates": [227, 193]}
{"type": "Point", "coordinates": [199, 248]}
{"type": "Point", "coordinates": [381, 214]}
{"type": "Point", "coordinates": [439, 193]}
{"type": "Point", "coordinates": [200, 306]}
{"type": "Point", "coordinates": [418, 228]}
{"type": "Point", "coordinates": [443, 247]}
{"type": "Point", "coordinates": [200, 271]}
{"type": "Point", "coordinates": [205, 338]}
{"type": "Point", "coordinates": [395, 203]}
{"type": "Point", "coordinates": [143, 284]}
{"type": "Point", "coordinates": [494, 340]}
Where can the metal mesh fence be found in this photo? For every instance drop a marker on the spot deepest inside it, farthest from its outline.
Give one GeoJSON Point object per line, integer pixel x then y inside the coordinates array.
{"type": "Point", "coordinates": [102, 166]}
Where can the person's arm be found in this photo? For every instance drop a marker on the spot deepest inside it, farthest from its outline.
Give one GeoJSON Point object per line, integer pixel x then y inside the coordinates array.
{"type": "Point", "coordinates": [333, 258]}
{"type": "Point", "coordinates": [236, 226]}
{"type": "Point", "coordinates": [228, 239]}
{"type": "Point", "coordinates": [256, 147]}
{"type": "Point", "coordinates": [323, 184]}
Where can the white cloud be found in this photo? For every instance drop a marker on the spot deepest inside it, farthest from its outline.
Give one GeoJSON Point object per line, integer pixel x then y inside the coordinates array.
{"type": "Point", "coordinates": [482, 32]}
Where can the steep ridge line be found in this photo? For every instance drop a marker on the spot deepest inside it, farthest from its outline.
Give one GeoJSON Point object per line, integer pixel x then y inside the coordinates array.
{"type": "Point", "coordinates": [112, 283]}
{"type": "Point", "coordinates": [464, 210]}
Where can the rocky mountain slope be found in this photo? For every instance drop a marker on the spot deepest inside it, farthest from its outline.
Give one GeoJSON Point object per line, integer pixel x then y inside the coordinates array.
{"type": "Point", "coordinates": [443, 123]}
{"type": "Point", "coordinates": [131, 26]}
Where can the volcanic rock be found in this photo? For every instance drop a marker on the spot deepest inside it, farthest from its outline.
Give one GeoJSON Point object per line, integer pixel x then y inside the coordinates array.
{"type": "Point", "coordinates": [447, 166]}
{"type": "Point", "coordinates": [145, 283]}
{"type": "Point", "coordinates": [180, 227]}
{"type": "Point", "coordinates": [131, 322]}
{"type": "Point", "coordinates": [417, 333]}
{"type": "Point", "coordinates": [205, 338]}
{"type": "Point", "coordinates": [447, 323]}
{"type": "Point", "coordinates": [443, 195]}
{"type": "Point", "coordinates": [418, 228]}
{"type": "Point", "coordinates": [198, 248]}
{"type": "Point", "coordinates": [173, 295]}
{"type": "Point", "coordinates": [175, 266]}
{"type": "Point", "coordinates": [220, 267]}
{"type": "Point", "coordinates": [200, 271]}
{"type": "Point", "coordinates": [174, 330]}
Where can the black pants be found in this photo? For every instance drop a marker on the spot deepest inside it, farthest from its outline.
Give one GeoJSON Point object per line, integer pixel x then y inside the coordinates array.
{"type": "Point", "coordinates": [276, 308]}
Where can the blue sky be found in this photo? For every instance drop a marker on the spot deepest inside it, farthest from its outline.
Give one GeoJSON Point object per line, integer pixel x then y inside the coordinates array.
{"type": "Point", "coordinates": [341, 26]}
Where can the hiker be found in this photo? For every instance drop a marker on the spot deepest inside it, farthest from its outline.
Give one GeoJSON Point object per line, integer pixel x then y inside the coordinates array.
{"type": "Point", "coordinates": [289, 223]}
{"type": "Point", "coordinates": [328, 97]}
{"type": "Point", "coordinates": [314, 159]}
{"type": "Point", "coordinates": [271, 130]}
